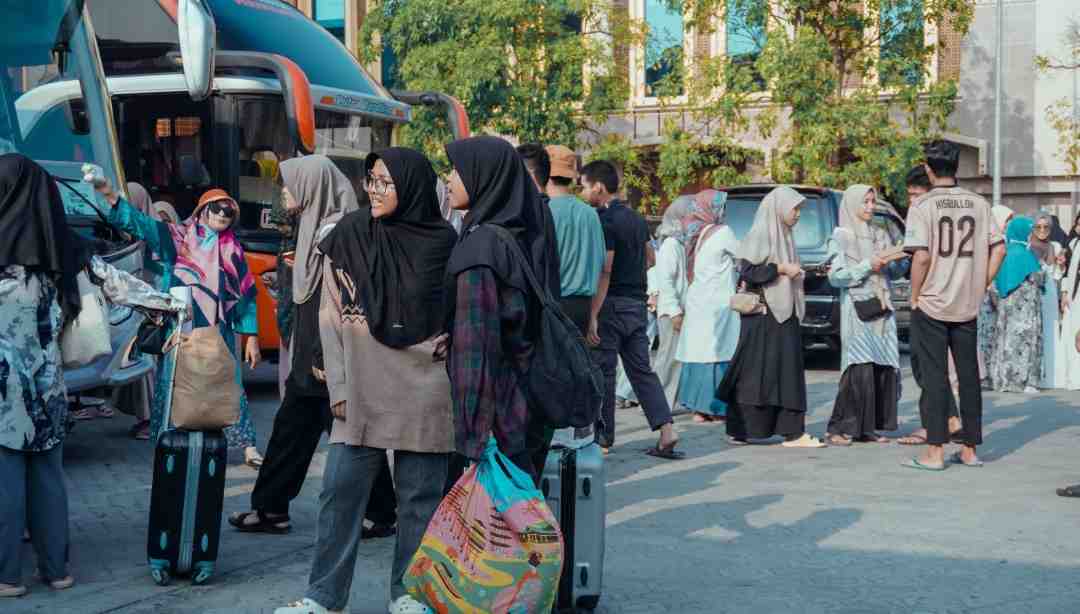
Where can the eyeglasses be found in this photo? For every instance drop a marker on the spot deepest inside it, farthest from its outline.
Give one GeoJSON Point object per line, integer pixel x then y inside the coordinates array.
{"type": "Point", "coordinates": [222, 208]}
{"type": "Point", "coordinates": [378, 185]}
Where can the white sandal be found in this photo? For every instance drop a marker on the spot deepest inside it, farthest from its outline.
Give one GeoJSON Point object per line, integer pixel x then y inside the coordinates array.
{"type": "Point", "coordinates": [806, 441]}
{"type": "Point", "coordinates": [305, 606]}
{"type": "Point", "coordinates": [405, 604]}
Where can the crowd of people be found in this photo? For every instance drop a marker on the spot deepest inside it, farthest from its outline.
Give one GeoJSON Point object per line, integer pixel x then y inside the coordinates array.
{"type": "Point", "coordinates": [418, 277]}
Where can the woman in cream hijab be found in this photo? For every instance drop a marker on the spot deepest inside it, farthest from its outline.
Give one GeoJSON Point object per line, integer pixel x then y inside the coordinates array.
{"type": "Point", "coordinates": [765, 385]}
{"type": "Point", "coordinates": [870, 363]}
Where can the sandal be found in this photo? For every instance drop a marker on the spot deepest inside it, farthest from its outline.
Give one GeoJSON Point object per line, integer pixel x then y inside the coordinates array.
{"type": "Point", "coordinates": [733, 441]}
{"type": "Point", "coordinates": [141, 430]}
{"type": "Point", "coordinates": [406, 604]}
{"type": "Point", "coordinates": [62, 584]}
{"type": "Point", "coordinates": [667, 452]}
{"type": "Point", "coordinates": [838, 440]}
{"type": "Point", "coordinates": [93, 411]}
{"type": "Point", "coordinates": [915, 463]}
{"type": "Point", "coordinates": [305, 606]}
{"type": "Point", "coordinates": [701, 418]}
{"type": "Point", "coordinates": [957, 458]}
{"type": "Point", "coordinates": [806, 441]}
{"type": "Point", "coordinates": [873, 438]}
{"type": "Point", "coordinates": [912, 440]}
{"type": "Point", "coordinates": [278, 525]}
{"type": "Point", "coordinates": [1069, 491]}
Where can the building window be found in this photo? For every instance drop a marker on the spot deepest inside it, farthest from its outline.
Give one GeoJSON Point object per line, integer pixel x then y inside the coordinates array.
{"type": "Point", "coordinates": [902, 37]}
{"type": "Point", "coordinates": [331, 15]}
{"type": "Point", "coordinates": [664, 53]}
{"type": "Point", "coordinates": [744, 41]}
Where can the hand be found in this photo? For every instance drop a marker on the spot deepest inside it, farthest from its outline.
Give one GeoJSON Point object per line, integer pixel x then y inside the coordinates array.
{"type": "Point", "coordinates": [338, 410]}
{"type": "Point", "coordinates": [1064, 303]}
{"type": "Point", "coordinates": [676, 322]}
{"type": "Point", "coordinates": [651, 302]}
{"type": "Point", "coordinates": [319, 374]}
{"type": "Point", "coordinates": [442, 347]}
{"type": "Point", "coordinates": [251, 352]}
{"type": "Point", "coordinates": [790, 270]}
{"type": "Point", "coordinates": [1061, 260]}
{"type": "Point", "coordinates": [593, 337]}
{"type": "Point", "coordinates": [95, 176]}
{"type": "Point", "coordinates": [877, 264]}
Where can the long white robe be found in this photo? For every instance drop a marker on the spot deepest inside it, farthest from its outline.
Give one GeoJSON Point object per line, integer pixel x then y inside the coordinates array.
{"type": "Point", "coordinates": [1070, 323]}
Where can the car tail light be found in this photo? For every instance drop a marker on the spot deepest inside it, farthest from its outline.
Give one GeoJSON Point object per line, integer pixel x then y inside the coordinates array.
{"type": "Point", "coordinates": [269, 279]}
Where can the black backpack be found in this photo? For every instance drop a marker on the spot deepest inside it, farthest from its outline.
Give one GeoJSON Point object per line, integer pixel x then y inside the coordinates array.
{"type": "Point", "coordinates": [562, 379]}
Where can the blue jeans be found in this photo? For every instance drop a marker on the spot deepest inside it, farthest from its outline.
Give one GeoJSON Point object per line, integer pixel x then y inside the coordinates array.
{"type": "Point", "coordinates": [347, 483]}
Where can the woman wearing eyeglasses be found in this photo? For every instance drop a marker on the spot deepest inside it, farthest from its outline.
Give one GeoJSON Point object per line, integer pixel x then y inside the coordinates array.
{"type": "Point", "coordinates": [202, 253]}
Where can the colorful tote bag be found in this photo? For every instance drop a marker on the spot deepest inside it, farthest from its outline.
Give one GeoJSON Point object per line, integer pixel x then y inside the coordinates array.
{"type": "Point", "coordinates": [492, 547]}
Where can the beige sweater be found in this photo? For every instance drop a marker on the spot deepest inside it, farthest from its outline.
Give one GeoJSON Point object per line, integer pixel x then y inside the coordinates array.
{"type": "Point", "coordinates": [394, 399]}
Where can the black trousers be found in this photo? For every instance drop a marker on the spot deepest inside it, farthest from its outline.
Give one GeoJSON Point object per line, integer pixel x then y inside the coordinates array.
{"type": "Point", "coordinates": [298, 426]}
{"type": "Point", "coordinates": [931, 341]}
{"type": "Point", "coordinates": [916, 374]}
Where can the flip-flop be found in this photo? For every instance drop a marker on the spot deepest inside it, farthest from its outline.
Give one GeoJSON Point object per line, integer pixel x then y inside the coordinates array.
{"type": "Point", "coordinates": [264, 525]}
{"type": "Point", "coordinates": [911, 440]}
{"type": "Point", "coordinates": [668, 453]}
{"type": "Point", "coordinates": [838, 441]}
{"type": "Point", "coordinates": [913, 463]}
{"type": "Point", "coordinates": [807, 441]}
{"type": "Point", "coordinates": [957, 459]}
{"type": "Point", "coordinates": [1069, 491]}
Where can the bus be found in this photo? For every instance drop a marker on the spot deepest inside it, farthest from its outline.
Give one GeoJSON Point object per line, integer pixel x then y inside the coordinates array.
{"type": "Point", "coordinates": [283, 86]}
{"type": "Point", "coordinates": [55, 109]}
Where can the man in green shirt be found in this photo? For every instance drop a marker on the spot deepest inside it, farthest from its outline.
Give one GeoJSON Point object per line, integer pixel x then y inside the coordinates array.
{"type": "Point", "coordinates": [579, 236]}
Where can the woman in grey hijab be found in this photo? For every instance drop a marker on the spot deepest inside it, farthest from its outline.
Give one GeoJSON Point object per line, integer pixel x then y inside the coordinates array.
{"type": "Point", "coordinates": [765, 385]}
{"type": "Point", "coordinates": [317, 194]}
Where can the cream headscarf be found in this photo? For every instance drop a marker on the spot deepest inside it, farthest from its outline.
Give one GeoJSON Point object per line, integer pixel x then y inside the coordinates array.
{"type": "Point", "coordinates": [322, 191]}
{"type": "Point", "coordinates": [858, 240]}
{"type": "Point", "coordinates": [1001, 215]}
{"type": "Point", "coordinates": [770, 241]}
{"type": "Point", "coordinates": [139, 197]}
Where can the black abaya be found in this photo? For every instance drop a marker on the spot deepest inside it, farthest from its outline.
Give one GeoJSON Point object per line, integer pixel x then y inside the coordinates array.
{"type": "Point", "coordinates": [866, 401]}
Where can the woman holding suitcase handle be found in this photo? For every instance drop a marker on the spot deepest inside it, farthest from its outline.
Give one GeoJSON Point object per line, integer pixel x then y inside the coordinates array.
{"type": "Point", "coordinates": [202, 253]}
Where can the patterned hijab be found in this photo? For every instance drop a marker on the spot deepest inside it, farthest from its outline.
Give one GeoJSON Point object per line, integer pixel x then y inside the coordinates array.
{"type": "Point", "coordinates": [212, 263]}
{"type": "Point", "coordinates": [706, 210]}
{"type": "Point", "coordinates": [770, 240]}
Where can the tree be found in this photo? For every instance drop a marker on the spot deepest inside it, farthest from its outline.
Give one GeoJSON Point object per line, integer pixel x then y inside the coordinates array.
{"type": "Point", "coordinates": [1060, 113]}
{"type": "Point", "coordinates": [846, 82]}
{"type": "Point", "coordinates": [516, 65]}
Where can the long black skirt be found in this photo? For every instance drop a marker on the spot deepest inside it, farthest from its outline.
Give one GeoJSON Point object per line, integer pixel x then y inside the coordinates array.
{"type": "Point", "coordinates": [866, 401]}
{"type": "Point", "coordinates": [765, 385]}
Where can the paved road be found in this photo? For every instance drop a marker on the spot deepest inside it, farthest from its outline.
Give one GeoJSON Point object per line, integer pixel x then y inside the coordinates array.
{"type": "Point", "coordinates": [756, 529]}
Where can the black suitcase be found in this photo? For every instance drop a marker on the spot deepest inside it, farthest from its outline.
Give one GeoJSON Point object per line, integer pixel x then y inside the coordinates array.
{"type": "Point", "coordinates": [573, 484]}
{"type": "Point", "coordinates": [185, 505]}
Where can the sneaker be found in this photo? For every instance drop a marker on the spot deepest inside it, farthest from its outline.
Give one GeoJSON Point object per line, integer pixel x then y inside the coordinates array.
{"type": "Point", "coordinates": [305, 606]}
{"type": "Point", "coordinates": [405, 604]}
{"type": "Point", "coordinates": [12, 590]}
{"type": "Point", "coordinates": [1031, 390]}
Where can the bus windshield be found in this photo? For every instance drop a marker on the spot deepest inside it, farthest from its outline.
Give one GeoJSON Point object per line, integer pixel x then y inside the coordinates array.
{"type": "Point", "coordinates": [48, 45]}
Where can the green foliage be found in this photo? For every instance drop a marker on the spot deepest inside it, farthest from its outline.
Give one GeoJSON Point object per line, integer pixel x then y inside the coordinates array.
{"type": "Point", "coordinates": [516, 65]}
{"type": "Point", "coordinates": [850, 99]}
{"type": "Point", "coordinates": [1060, 113]}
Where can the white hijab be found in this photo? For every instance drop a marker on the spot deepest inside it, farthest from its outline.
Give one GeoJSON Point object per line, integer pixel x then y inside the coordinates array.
{"type": "Point", "coordinates": [770, 241]}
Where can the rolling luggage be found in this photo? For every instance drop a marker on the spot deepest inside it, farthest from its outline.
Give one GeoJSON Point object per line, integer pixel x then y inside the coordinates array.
{"type": "Point", "coordinates": [185, 505]}
{"type": "Point", "coordinates": [574, 486]}
{"type": "Point", "coordinates": [187, 495]}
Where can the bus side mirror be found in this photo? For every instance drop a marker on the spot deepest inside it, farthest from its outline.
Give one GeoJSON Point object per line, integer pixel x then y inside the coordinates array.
{"type": "Point", "coordinates": [198, 39]}
{"type": "Point", "coordinates": [77, 119]}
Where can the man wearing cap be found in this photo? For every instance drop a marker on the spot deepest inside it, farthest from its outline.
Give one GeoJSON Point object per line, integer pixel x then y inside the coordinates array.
{"type": "Point", "coordinates": [579, 236]}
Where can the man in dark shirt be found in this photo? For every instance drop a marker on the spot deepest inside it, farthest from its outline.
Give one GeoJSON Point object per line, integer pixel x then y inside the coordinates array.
{"type": "Point", "coordinates": [618, 320]}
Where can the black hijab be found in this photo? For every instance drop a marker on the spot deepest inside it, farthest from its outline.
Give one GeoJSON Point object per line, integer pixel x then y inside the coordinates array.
{"type": "Point", "coordinates": [397, 262]}
{"type": "Point", "coordinates": [1057, 233]}
{"type": "Point", "coordinates": [502, 193]}
{"type": "Point", "coordinates": [33, 228]}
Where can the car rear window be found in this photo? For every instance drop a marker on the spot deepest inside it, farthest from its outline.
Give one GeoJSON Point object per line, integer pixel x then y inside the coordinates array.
{"type": "Point", "coordinates": [809, 232]}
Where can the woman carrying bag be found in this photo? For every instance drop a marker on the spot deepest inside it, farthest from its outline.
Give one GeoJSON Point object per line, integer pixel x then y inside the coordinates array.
{"type": "Point", "coordinates": [204, 255]}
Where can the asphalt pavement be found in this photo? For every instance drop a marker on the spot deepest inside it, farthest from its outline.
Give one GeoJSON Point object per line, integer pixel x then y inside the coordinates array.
{"type": "Point", "coordinates": [757, 529]}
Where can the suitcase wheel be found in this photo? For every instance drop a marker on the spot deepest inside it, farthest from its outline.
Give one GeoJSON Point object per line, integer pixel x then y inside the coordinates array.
{"type": "Point", "coordinates": [161, 577]}
{"type": "Point", "coordinates": [203, 571]}
{"type": "Point", "coordinates": [588, 602]}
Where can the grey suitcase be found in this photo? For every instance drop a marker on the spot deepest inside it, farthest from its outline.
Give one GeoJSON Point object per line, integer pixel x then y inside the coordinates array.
{"type": "Point", "coordinates": [574, 487]}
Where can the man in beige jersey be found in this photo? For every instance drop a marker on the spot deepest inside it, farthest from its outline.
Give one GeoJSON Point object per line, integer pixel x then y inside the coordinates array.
{"type": "Point", "coordinates": [957, 249]}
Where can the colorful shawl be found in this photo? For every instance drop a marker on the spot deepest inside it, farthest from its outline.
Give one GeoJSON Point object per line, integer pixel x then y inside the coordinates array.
{"type": "Point", "coordinates": [706, 210]}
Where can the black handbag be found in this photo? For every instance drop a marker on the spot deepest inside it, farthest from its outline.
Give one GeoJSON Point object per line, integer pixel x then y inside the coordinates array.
{"type": "Point", "coordinates": [153, 334]}
{"type": "Point", "coordinates": [871, 309]}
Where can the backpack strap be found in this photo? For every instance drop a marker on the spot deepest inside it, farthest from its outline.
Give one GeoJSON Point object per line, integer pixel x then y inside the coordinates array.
{"type": "Point", "coordinates": [541, 292]}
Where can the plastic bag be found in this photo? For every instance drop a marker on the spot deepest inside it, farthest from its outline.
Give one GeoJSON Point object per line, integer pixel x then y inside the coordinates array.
{"type": "Point", "coordinates": [492, 547]}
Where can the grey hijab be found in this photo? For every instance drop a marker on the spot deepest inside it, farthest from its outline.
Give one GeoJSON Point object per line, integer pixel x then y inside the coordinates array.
{"type": "Point", "coordinates": [770, 241]}
{"type": "Point", "coordinates": [322, 192]}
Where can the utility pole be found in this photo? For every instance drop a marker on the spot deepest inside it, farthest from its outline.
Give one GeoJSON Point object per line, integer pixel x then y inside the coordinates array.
{"type": "Point", "coordinates": [998, 63]}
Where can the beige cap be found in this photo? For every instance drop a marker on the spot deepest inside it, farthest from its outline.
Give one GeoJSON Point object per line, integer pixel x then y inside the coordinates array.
{"type": "Point", "coordinates": [563, 162]}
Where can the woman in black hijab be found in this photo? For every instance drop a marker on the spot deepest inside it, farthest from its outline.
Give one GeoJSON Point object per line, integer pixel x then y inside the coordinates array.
{"type": "Point", "coordinates": [39, 260]}
{"type": "Point", "coordinates": [494, 312]}
{"type": "Point", "coordinates": [380, 322]}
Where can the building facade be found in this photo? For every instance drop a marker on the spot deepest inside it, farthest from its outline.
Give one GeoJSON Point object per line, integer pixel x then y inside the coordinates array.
{"type": "Point", "coordinates": [1035, 175]}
